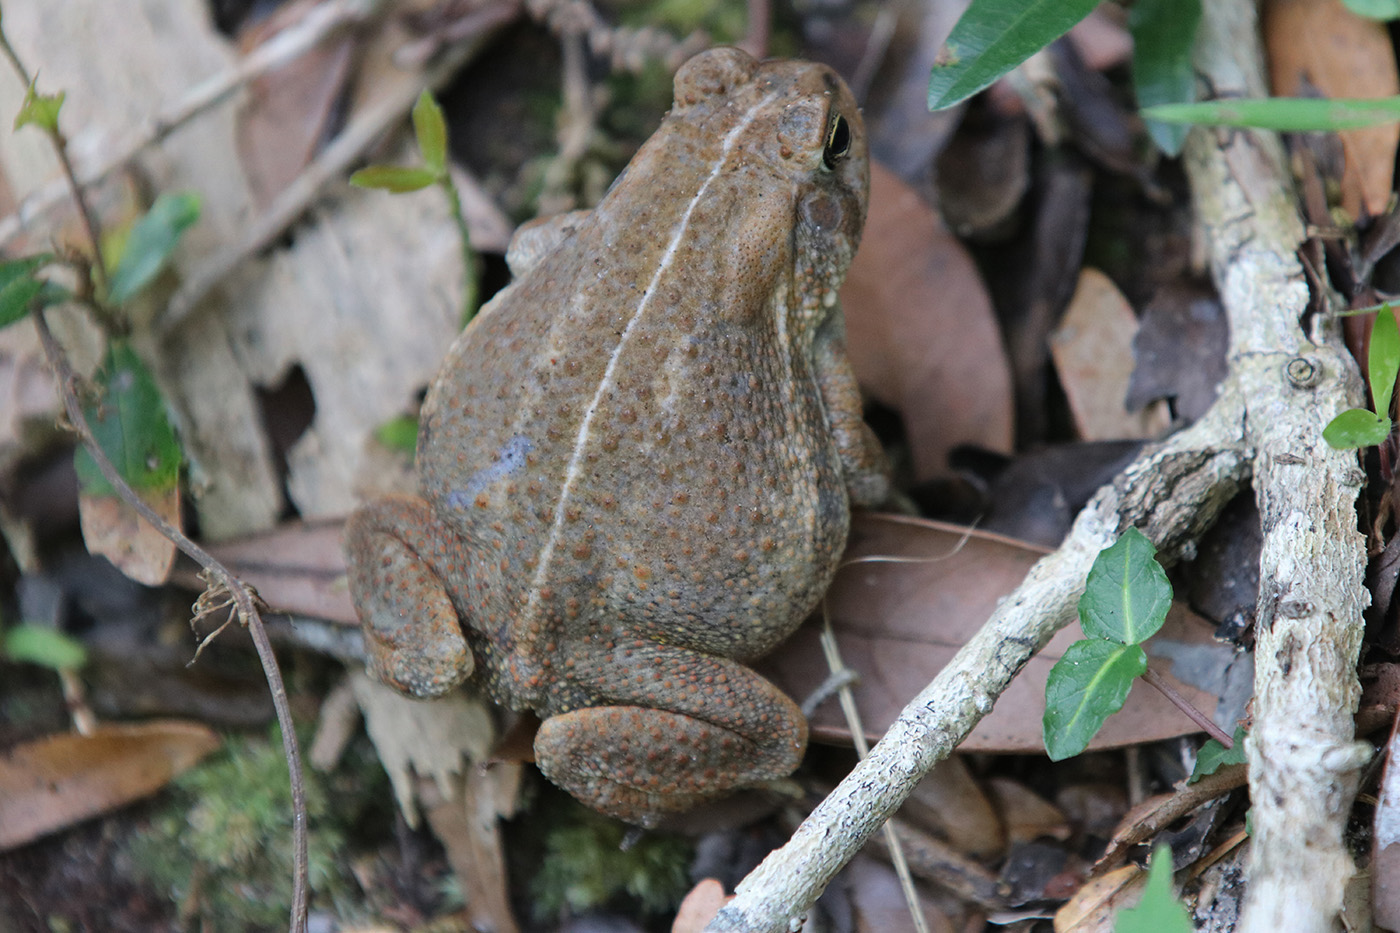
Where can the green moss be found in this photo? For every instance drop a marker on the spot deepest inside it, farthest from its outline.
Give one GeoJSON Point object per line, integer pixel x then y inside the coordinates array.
{"type": "Point", "coordinates": [221, 846]}
{"type": "Point", "coordinates": [585, 866]}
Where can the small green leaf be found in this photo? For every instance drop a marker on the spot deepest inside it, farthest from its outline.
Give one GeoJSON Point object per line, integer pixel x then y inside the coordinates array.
{"type": "Point", "coordinates": [1127, 595]}
{"type": "Point", "coordinates": [151, 241]}
{"type": "Point", "coordinates": [399, 434]}
{"type": "Point", "coordinates": [19, 287]}
{"type": "Point", "coordinates": [1374, 9]}
{"type": "Point", "coordinates": [38, 644]}
{"type": "Point", "coordinates": [1286, 114]}
{"type": "Point", "coordinates": [1383, 361]}
{"type": "Point", "coordinates": [431, 130]}
{"type": "Point", "coordinates": [994, 36]}
{"type": "Point", "coordinates": [1163, 33]}
{"type": "Point", "coordinates": [130, 424]}
{"type": "Point", "coordinates": [1085, 687]}
{"type": "Point", "coordinates": [40, 110]}
{"type": "Point", "coordinates": [1356, 427]}
{"type": "Point", "coordinates": [1213, 756]}
{"type": "Point", "coordinates": [394, 178]}
{"type": "Point", "coordinates": [1158, 911]}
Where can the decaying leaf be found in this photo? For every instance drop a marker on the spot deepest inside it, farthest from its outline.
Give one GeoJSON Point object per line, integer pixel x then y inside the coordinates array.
{"type": "Point", "coordinates": [921, 332]}
{"type": "Point", "coordinates": [50, 784]}
{"type": "Point", "coordinates": [1093, 353]}
{"type": "Point", "coordinates": [114, 530]}
{"type": "Point", "coordinates": [700, 907]}
{"type": "Point", "coordinates": [1319, 47]}
{"type": "Point", "coordinates": [898, 623]}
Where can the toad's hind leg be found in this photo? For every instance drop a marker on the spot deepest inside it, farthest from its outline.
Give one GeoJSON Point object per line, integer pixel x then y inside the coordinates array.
{"type": "Point", "coordinates": [678, 727]}
{"type": "Point", "coordinates": [399, 556]}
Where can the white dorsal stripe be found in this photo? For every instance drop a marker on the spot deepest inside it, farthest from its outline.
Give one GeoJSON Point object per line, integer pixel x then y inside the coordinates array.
{"type": "Point", "coordinates": [606, 384]}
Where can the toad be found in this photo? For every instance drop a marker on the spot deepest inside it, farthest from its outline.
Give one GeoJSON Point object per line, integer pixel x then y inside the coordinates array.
{"type": "Point", "coordinates": [637, 463]}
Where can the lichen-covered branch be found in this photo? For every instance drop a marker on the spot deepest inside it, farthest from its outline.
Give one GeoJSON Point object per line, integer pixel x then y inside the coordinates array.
{"type": "Point", "coordinates": [1295, 374]}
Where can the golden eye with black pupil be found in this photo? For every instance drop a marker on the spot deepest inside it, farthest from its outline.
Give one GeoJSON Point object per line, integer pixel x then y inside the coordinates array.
{"type": "Point", "coordinates": [838, 142]}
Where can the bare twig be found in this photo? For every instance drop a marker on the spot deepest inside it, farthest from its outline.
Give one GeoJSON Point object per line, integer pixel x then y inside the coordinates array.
{"type": "Point", "coordinates": [243, 597]}
{"type": "Point", "coordinates": [1183, 704]}
{"type": "Point", "coordinates": [324, 20]}
{"type": "Point", "coordinates": [893, 847]}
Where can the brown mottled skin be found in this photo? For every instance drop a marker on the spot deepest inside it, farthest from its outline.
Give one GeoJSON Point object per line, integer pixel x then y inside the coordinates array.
{"type": "Point", "coordinates": [637, 463]}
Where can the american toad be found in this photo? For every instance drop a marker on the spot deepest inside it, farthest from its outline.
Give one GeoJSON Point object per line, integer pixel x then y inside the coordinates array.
{"type": "Point", "coordinates": [637, 463]}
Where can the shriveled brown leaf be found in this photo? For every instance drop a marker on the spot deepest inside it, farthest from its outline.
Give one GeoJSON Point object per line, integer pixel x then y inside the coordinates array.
{"type": "Point", "coordinates": [437, 740]}
{"type": "Point", "coordinates": [1320, 46]}
{"type": "Point", "coordinates": [898, 623]}
{"type": "Point", "coordinates": [921, 332]}
{"type": "Point", "coordinates": [297, 567]}
{"type": "Point", "coordinates": [112, 529]}
{"type": "Point", "coordinates": [700, 907]}
{"type": "Point", "coordinates": [287, 112]}
{"type": "Point", "coordinates": [1179, 350]}
{"type": "Point", "coordinates": [1028, 816]}
{"type": "Point", "coordinates": [467, 826]}
{"type": "Point", "coordinates": [1093, 353]}
{"type": "Point", "coordinates": [950, 802]}
{"type": "Point", "coordinates": [50, 784]}
{"type": "Point", "coordinates": [1155, 813]}
{"type": "Point", "coordinates": [878, 903]}
{"type": "Point", "coordinates": [1094, 907]}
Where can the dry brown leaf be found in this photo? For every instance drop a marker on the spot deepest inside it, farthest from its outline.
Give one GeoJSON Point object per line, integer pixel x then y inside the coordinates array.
{"type": "Point", "coordinates": [1095, 906]}
{"type": "Point", "coordinates": [879, 905]}
{"type": "Point", "coordinates": [298, 567]}
{"type": "Point", "coordinates": [1028, 816]}
{"type": "Point", "coordinates": [1320, 46]}
{"type": "Point", "coordinates": [288, 111]}
{"type": "Point", "coordinates": [468, 828]}
{"type": "Point", "coordinates": [437, 740]}
{"type": "Point", "coordinates": [922, 335]}
{"type": "Point", "coordinates": [700, 907]}
{"type": "Point", "coordinates": [50, 784]}
{"type": "Point", "coordinates": [1093, 353]}
{"type": "Point", "coordinates": [949, 802]}
{"type": "Point", "coordinates": [112, 529]}
{"type": "Point", "coordinates": [898, 624]}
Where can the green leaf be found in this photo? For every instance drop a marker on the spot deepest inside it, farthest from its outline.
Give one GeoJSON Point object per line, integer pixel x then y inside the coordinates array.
{"type": "Point", "coordinates": [151, 241]}
{"type": "Point", "coordinates": [39, 644]}
{"type": "Point", "coordinates": [1127, 595]}
{"type": "Point", "coordinates": [130, 424]}
{"type": "Point", "coordinates": [994, 36]}
{"type": "Point", "coordinates": [1213, 756]}
{"type": "Point", "coordinates": [39, 110]}
{"type": "Point", "coordinates": [1356, 427]}
{"type": "Point", "coordinates": [1383, 361]}
{"type": "Point", "coordinates": [1286, 114]}
{"type": "Point", "coordinates": [394, 178]}
{"type": "Point", "coordinates": [19, 287]}
{"type": "Point", "coordinates": [1163, 33]}
{"type": "Point", "coordinates": [1085, 687]}
{"type": "Point", "coordinates": [400, 434]}
{"type": "Point", "coordinates": [1159, 911]}
{"type": "Point", "coordinates": [431, 130]}
{"type": "Point", "coordinates": [1374, 9]}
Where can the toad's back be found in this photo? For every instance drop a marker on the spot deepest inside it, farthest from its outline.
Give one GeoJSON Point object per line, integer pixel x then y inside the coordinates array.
{"type": "Point", "coordinates": [649, 442]}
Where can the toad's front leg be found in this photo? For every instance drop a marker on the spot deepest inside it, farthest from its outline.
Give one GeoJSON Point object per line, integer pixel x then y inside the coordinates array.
{"type": "Point", "coordinates": [673, 727]}
{"type": "Point", "coordinates": [400, 557]}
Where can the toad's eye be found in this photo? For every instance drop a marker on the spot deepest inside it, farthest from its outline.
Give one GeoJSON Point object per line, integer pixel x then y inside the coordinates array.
{"type": "Point", "coordinates": [838, 142]}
